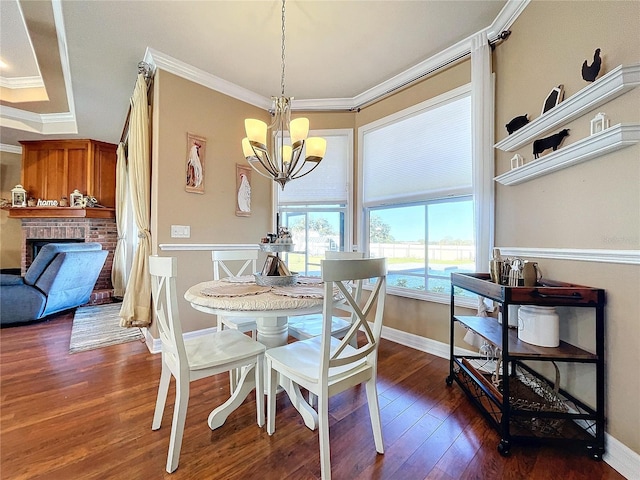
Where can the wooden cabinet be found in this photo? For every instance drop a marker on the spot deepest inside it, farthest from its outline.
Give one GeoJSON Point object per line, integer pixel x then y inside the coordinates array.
{"type": "Point", "coordinates": [529, 406]}
{"type": "Point", "coordinates": [52, 169]}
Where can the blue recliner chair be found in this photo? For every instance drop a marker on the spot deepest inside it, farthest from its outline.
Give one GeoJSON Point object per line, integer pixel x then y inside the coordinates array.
{"type": "Point", "coordinates": [61, 277]}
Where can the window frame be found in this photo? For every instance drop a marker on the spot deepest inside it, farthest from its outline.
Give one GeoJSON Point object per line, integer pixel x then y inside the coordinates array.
{"type": "Point", "coordinates": [365, 208]}
{"type": "Point", "coordinates": [311, 207]}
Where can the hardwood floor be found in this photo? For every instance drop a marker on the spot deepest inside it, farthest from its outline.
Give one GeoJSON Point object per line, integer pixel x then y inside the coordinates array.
{"type": "Point", "coordinates": [88, 416]}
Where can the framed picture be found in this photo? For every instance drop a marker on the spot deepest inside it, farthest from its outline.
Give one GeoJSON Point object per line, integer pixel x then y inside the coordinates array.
{"type": "Point", "coordinates": [556, 95]}
{"type": "Point", "coordinates": [196, 154]}
{"type": "Point", "coordinates": [243, 190]}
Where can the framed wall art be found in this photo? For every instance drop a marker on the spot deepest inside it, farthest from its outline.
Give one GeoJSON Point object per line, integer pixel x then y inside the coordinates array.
{"type": "Point", "coordinates": [196, 154]}
{"type": "Point", "coordinates": [243, 190]}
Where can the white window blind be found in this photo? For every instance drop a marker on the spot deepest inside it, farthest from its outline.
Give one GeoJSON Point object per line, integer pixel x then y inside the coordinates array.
{"type": "Point", "coordinates": [424, 155]}
{"type": "Point", "coordinates": [328, 183]}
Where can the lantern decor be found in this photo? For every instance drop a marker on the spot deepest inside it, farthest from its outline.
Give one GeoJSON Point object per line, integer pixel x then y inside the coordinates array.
{"type": "Point", "coordinates": [18, 196]}
{"type": "Point", "coordinates": [76, 199]}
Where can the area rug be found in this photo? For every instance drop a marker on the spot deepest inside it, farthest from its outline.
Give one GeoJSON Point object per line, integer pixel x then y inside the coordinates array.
{"type": "Point", "coordinates": [99, 326]}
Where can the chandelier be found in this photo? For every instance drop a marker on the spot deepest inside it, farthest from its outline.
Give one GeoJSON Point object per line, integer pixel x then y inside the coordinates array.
{"type": "Point", "coordinates": [285, 162]}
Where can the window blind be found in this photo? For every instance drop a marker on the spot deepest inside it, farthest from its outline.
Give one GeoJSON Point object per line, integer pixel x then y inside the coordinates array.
{"type": "Point", "coordinates": [424, 155]}
{"type": "Point", "coordinates": [328, 183]}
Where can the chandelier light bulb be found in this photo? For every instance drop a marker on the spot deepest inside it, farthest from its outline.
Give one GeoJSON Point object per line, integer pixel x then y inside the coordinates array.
{"type": "Point", "coordinates": [299, 129]}
{"type": "Point", "coordinates": [256, 131]}
{"type": "Point", "coordinates": [316, 148]}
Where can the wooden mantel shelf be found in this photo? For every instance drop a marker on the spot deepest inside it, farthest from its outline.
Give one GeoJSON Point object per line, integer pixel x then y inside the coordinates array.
{"type": "Point", "coordinates": [61, 212]}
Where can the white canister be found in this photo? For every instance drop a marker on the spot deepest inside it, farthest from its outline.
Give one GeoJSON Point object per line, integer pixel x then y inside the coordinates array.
{"type": "Point", "coordinates": [539, 325]}
{"type": "Point", "coordinates": [513, 316]}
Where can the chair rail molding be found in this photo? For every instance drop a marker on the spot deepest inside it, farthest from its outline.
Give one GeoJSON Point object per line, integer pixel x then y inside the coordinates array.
{"type": "Point", "coordinates": [172, 247]}
{"type": "Point", "coordinates": [628, 257]}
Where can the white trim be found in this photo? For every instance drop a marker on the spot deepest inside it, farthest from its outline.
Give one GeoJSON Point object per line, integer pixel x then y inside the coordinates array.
{"type": "Point", "coordinates": [61, 33]}
{"type": "Point", "coordinates": [47, 123]}
{"type": "Point", "coordinates": [613, 84]}
{"type": "Point", "coordinates": [168, 247]}
{"type": "Point", "coordinates": [509, 13]}
{"type": "Point", "coordinates": [621, 458]}
{"type": "Point", "coordinates": [629, 257]}
{"type": "Point", "coordinates": [172, 65]}
{"type": "Point", "coordinates": [594, 146]}
{"type": "Point", "coordinates": [21, 82]}
{"type": "Point", "coordinates": [10, 148]}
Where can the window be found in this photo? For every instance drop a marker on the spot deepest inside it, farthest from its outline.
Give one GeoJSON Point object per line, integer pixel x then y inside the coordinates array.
{"type": "Point", "coordinates": [315, 208]}
{"type": "Point", "coordinates": [418, 196]}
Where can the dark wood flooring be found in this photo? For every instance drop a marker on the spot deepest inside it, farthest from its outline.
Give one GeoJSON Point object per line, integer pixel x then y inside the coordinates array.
{"type": "Point", "coordinates": [88, 416]}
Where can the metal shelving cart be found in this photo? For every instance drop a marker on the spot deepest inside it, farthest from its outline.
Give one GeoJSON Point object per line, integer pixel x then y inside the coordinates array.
{"type": "Point", "coordinates": [529, 406]}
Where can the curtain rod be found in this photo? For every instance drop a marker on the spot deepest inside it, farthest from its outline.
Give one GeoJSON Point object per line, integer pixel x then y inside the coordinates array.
{"type": "Point", "coordinates": [492, 43]}
{"type": "Point", "coordinates": [147, 71]}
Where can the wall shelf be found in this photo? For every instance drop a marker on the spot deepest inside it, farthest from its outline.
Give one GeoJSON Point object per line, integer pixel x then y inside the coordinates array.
{"type": "Point", "coordinates": [609, 140]}
{"type": "Point", "coordinates": [611, 85]}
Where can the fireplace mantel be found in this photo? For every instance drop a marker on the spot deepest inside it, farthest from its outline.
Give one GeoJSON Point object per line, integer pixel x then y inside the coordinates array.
{"type": "Point", "coordinates": [61, 212]}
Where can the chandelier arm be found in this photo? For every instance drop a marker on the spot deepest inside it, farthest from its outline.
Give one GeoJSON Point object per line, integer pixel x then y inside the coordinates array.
{"type": "Point", "coordinates": [259, 153]}
{"type": "Point", "coordinates": [295, 158]}
{"type": "Point", "coordinates": [295, 175]}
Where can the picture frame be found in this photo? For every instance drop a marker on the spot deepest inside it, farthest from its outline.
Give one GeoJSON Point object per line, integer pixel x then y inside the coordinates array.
{"type": "Point", "coordinates": [556, 95]}
{"type": "Point", "coordinates": [195, 163]}
{"type": "Point", "coordinates": [243, 190]}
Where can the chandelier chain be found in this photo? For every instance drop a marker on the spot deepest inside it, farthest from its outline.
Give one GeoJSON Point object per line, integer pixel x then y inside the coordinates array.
{"type": "Point", "coordinates": [282, 80]}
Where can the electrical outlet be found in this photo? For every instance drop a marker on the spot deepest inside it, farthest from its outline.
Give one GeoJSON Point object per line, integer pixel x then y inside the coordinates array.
{"type": "Point", "coordinates": [180, 231]}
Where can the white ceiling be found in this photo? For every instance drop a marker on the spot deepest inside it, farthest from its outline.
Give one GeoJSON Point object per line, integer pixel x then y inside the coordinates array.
{"type": "Point", "coordinates": [338, 53]}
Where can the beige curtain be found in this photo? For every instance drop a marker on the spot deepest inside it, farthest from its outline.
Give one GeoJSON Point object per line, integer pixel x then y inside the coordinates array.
{"type": "Point", "coordinates": [118, 269]}
{"type": "Point", "coordinates": [136, 305]}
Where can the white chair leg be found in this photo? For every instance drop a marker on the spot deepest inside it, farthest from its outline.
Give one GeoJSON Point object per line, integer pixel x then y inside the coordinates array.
{"type": "Point", "coordinates": [259, 368]}
{"type": "Point", "coordinates": [272, 384]}
{"type": "Point", "coordinates": [233, 379]}
{"type": "Point", "coordinates": [323, 436]}
{"type": "Point", "coordinates": [374, 414]}
{"type": "Point", "coordinates": [163, 390]}
{"type": "Point", "coordinates": [177, 426]}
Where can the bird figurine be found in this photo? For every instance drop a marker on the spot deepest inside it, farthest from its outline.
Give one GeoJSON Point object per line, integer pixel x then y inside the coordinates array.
{"type": "Point", "coordinates": [590, 72]}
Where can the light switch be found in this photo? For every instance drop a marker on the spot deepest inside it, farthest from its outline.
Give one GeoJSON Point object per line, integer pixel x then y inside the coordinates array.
{"type": "Point", "coordinates": [180, 231]}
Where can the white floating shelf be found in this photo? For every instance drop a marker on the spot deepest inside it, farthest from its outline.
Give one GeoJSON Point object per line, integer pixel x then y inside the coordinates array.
{"type": "Point", "coordinates": [609, 140]}
{"type": "Point", "coordinates": [616, 82]}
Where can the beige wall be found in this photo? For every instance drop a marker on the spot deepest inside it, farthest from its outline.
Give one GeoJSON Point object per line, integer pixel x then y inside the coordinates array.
{"type": "Point", "coordinates": [593, 205]}
{"type": "Point", "coordinates": [10, 228]}
{"type": "Point", "coordinates": [182, 107]}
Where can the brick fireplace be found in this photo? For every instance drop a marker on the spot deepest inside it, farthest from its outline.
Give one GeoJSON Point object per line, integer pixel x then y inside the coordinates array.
{"type": "Point", "coordinates": [101, 230]}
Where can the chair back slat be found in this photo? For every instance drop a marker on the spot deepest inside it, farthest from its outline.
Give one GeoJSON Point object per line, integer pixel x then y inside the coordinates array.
{"type": "Point", "coordinates": [335, 274]}
{"type": "Point", "coordinates": [163, 271]}
{"type": "Point", "coordinates": [221, 258]}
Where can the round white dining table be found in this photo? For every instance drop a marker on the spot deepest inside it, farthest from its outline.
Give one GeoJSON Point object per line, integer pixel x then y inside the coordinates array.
{"type": "Point", "coordinates": [271, 307]}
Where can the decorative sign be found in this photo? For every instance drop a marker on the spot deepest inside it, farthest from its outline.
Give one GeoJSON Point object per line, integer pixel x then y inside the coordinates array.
{"type": "Point", "coordinates": [47, 203]}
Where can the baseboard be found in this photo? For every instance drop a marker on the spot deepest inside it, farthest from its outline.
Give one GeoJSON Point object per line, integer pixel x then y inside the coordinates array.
{"type": "Point", "coordinates": [620, 457]}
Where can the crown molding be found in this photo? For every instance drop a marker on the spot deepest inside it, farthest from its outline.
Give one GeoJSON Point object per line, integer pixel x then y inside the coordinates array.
{"type": "Point", "coordinates": [46, 123]}
{"type": "Point", "coordinates": [21, 82]}
{"type": "Point", "coordinates": [10, 148]}
{"type": "Point", "coordinates": [172, 65]}
{"type": "Point", "coordinates": [506, 17]}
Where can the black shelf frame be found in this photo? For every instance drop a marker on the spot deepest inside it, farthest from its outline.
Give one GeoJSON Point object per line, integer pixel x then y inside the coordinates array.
{"type": "Point", "coordinates": [585, 424]}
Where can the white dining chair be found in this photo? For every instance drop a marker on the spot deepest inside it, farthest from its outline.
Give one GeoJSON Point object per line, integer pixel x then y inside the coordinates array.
{"type": "Point", "coordinates": [198, 357]}
{"type": "Point", "coordinates": [226, 263]}
{"type": "Point", "coordinates": [303, 327]}
{"type": "Point", "coordinates": [325, 365]}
